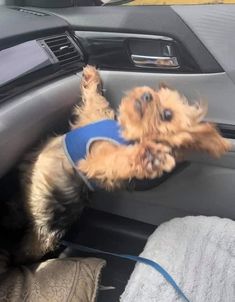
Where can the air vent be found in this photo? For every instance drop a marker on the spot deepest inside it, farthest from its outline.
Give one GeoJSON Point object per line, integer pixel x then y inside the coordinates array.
{"type": "Point", "coordinates": [64, 49]}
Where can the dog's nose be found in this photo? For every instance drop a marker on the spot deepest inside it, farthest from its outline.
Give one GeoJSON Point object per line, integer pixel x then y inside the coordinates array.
{"type": "Point", "coordinates": [147, 97]}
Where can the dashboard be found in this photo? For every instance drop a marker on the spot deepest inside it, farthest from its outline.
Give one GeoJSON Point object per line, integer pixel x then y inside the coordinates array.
{"type": "Point", "coordinates": [34, 45]}
{"type": "Point", "coordinates": [39, 59]}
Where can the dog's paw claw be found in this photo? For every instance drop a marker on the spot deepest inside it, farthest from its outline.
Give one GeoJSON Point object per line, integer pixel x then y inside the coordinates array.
{"type": "Point", "coordinates": [156, 159]}
{"type": "Point", "coordinates": [91, 77]}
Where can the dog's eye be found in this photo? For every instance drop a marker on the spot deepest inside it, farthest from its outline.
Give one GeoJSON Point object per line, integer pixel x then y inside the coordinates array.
{"type": "Point", "coordinates": [147, 97]}
{"type": "Point", "coordinates": [167, 115]}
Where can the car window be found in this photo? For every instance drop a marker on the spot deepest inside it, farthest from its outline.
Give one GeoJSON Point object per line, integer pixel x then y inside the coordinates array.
{"type": "Point", "coordinates": [165, 2]}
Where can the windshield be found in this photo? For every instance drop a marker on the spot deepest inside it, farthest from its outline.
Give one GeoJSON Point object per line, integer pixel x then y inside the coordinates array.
{"type": "Point", "coordinates": [167, 2]}
{"type": "Point", "coordinates": [69, 3]}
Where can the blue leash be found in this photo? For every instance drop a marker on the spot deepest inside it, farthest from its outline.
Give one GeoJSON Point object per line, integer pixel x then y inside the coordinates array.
{"type": "Point", "coordinates": [146, 261]}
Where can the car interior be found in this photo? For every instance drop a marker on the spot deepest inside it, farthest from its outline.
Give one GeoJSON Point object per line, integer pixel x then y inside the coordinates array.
{"type": "Point", "coordinates": [44, 46]}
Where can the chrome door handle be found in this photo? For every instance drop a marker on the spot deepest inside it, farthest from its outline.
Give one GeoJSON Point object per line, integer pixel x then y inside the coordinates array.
{"type": "Point", "coordinates": [155, 62]}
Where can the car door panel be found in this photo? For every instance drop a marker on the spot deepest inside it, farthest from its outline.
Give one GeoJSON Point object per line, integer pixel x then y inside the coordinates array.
{"type": "Point", "coordinates": [213, 88]}
{"type": "Point", "coordinates": [199, 189]}
{"type": "Point", "coordinates": [214, 25]}
{"type": "Point", "coordinates": [148, 20]}
{"type": "Point", "coordinates": [206, 185]}
{"type": "Point", "coordinates": [203, 186]}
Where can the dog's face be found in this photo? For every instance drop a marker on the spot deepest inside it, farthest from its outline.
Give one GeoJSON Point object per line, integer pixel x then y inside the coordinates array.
{"type": "Point", "coordinates": [145, 112]}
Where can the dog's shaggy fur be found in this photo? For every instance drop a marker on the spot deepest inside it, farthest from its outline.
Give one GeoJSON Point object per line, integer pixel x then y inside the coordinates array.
{"type": "Point", "coordinates": [159, 121]}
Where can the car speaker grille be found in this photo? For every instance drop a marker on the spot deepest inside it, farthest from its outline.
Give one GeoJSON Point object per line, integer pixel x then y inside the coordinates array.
{"type": "Point", "coordinates": [64, 49]}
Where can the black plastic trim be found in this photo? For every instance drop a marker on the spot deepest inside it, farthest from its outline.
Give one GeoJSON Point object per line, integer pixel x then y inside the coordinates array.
{"type": "Point", "coordinates": [153, 20]}
{"type": "Point", "coordinates": [148, 184]}
{"type": "Point", "coordinates": [113, 51]}
{"type": "Point", "coordinates": [35, 79]}
{"type": "Point", "coordinates": [228, 131]}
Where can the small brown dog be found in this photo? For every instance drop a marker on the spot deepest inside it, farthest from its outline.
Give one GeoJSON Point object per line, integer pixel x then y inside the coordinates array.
{"type": "Point", "coordinates": [157, 121]}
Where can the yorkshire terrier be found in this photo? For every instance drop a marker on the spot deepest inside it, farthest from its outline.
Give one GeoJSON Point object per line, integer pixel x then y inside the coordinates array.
{"type": "Point", "coordinates": [152, 124]}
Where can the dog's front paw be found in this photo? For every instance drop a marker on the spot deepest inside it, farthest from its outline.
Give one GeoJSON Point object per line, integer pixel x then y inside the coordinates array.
{"type": "Point", "coordinates": [155, 159]}
{"type": "Point", "coordinates": [91, 79]}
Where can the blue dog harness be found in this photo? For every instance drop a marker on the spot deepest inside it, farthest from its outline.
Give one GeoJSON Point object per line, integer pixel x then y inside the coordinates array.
{"type": "Point", "coordinates": [77, 142]}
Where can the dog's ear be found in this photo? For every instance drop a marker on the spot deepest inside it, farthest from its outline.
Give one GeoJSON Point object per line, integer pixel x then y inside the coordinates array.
{"type": "Point", "coordinates": [164, 85]}
{"type": "Point", "coordinates": [206, 138]}
{"type": "Point", "coordinates": [198, 111]}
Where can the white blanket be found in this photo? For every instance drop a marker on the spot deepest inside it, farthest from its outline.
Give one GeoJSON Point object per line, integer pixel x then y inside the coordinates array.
{"type": "Point", "coordinates": [198, 252]}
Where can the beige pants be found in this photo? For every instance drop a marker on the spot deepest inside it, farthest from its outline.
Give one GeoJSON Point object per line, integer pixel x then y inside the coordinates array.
{"type": "Point", "coordinates": [55, 280]}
